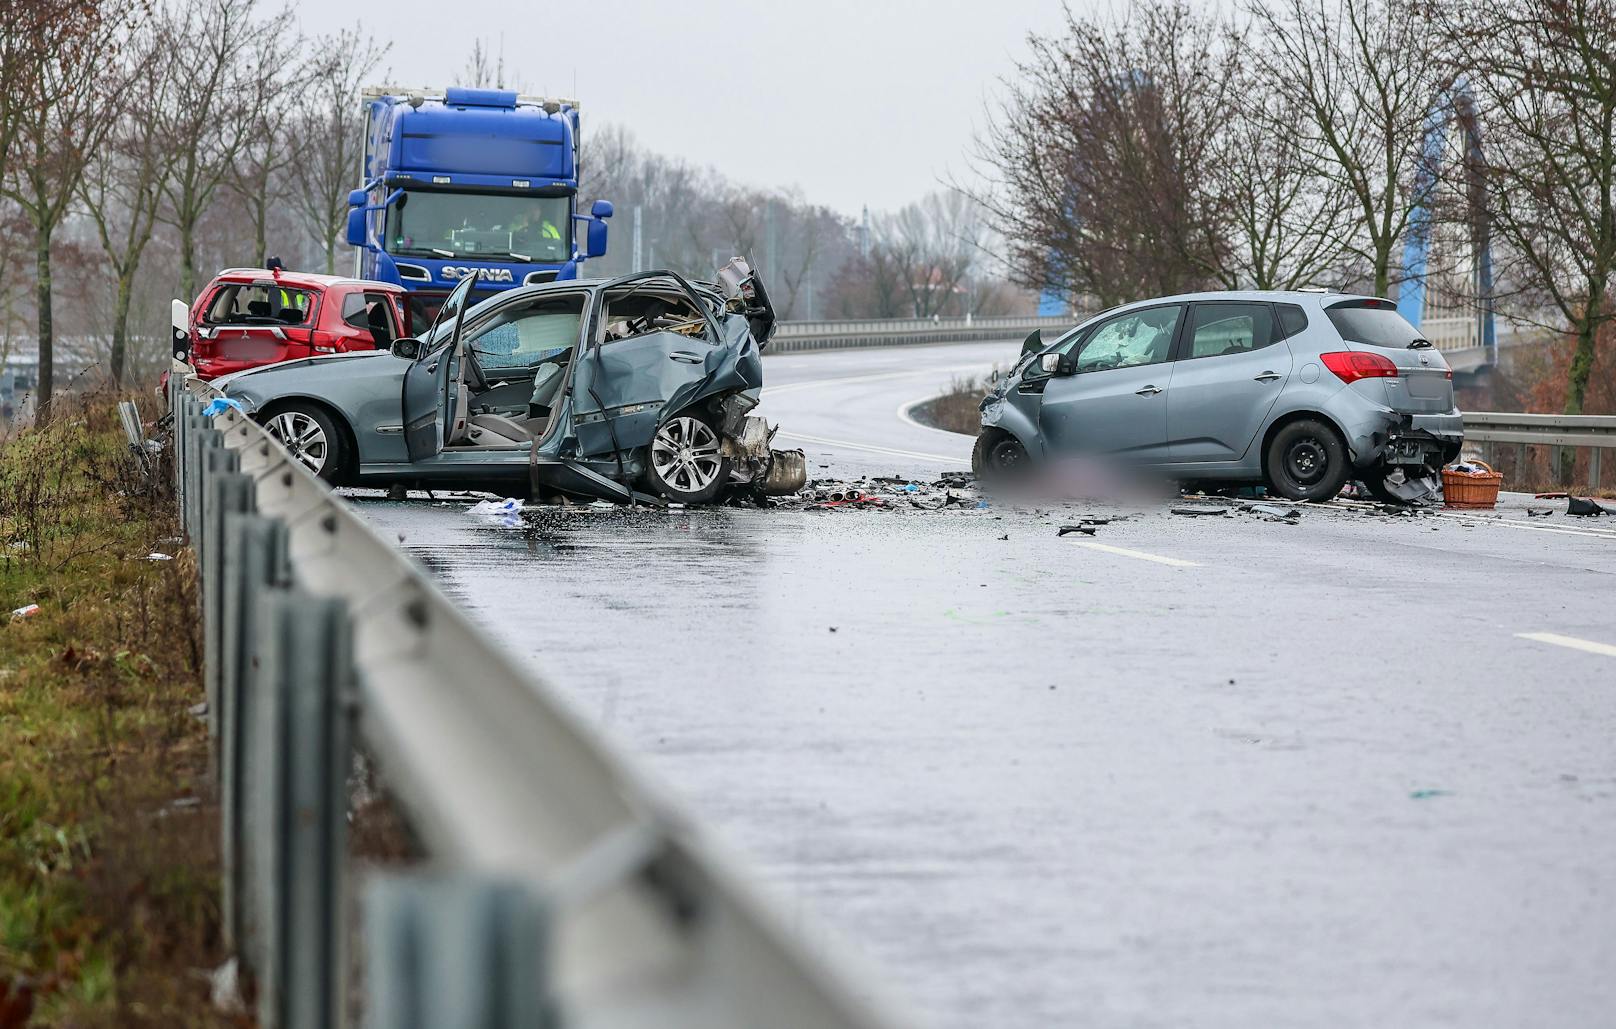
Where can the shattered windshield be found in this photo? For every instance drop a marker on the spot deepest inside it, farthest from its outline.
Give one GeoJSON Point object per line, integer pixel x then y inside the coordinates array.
{"type": "Point", "coordinates": [519, 228]}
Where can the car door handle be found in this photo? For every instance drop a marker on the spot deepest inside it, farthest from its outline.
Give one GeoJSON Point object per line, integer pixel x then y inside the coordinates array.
{"type": "Point", "coordinates": [1148, 391]}
{"type": "Point", "coordinates": [686, 356]}
{"type": "Point", "coordinates": [1267, 377]}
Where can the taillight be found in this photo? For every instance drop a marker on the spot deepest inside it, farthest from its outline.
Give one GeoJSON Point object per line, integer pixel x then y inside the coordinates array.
{"type": "Point", "coordinates": [1352, 365]}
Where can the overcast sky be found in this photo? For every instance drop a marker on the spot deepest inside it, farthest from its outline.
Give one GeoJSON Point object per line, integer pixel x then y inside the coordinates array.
{"type": "Point", "coordinates": [854, 101]}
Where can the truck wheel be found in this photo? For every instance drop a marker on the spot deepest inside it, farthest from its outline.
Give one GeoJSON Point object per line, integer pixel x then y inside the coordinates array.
{"type": "Point", "coordinates": [311, 436]}
{"type": "Point", "coordinates": [1306, 461]}
{"type": "Point", "coordinates": [684, 463]}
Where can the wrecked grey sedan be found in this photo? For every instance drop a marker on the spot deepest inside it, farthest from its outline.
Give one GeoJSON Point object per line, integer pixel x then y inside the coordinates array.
{"type": "Point", "coordinates": [637, 388]}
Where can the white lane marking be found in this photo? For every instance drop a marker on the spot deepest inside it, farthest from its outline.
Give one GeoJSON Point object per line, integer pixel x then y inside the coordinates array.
{"type": "Point", "coordinates": [1569, 641]}
{"type": "Point", "coordinates": [1140, 554]}
{"type": "Point", "coordinates": [1566, 530]}
{"type": "Point", "coordinates": [793, 387]}
{"type": "Point", "coordinates": [888, 451]}
{"type": "Point", "coordinates": [908, 419]}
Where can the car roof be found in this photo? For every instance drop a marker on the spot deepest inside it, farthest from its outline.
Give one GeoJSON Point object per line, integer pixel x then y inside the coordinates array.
{"type": "Point", "coordinates": [301, 280]}
{"type": "Point", "coordinates": [1292, 296]}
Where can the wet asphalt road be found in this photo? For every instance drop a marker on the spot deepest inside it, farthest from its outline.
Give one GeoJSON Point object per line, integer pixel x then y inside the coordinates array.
{"type": "Point", "coordinates": [1227, 773]}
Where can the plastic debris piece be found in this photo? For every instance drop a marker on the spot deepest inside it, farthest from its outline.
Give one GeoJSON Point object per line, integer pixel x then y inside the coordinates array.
{"type": "Point", "coordinates": [26, 611]}
{"type": "Point", "coordinates": [1067, 530]}
{"type": "Point", "coordinates": [911, 488]}
{"type": "Point", "coordinates": [1200, 510]}
{"type": "Point", "coordinates": [1428, 794]}
{"type": "Point", "coordinates": [155, 556]}
{"type": "Point", "coordinates": [1583, 507]}
{"type": "Point", "coordinates": [219, 405]}
{"type": "Point", "coordinates": [508, 511]}
{"type": "Point", "coordinates": [1539, 512]}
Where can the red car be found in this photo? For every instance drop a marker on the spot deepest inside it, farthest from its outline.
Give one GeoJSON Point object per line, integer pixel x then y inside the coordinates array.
{"type": "Point", "coordinates": [248, 317]}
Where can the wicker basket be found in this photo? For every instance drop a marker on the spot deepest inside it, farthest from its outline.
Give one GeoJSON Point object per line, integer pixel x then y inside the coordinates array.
{"type": "Point", "coordinates": [1471, 490]}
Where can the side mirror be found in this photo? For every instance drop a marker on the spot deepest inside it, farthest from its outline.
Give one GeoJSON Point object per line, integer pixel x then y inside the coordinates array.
{"type": "Point", "coordinates": [357, 198]}
{"type": "Point", "coordinates": [1033, 343]}
{"type": "Point", "coordinates": [595, 236]}
{"type": "Point", "coordinates": [601, 209]}
{"type": "Point", "coordinates": [407, 347]}
{"type": "Point", "coordinates": [356, 227]}
{"type": "Point", "coordinates": [1057, 364]}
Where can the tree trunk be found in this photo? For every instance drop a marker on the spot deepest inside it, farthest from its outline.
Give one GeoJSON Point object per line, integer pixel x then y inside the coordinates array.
{"type": "Point", "coordinates": [120, 329]}
{"type": "Point", "coordinates": [260, 209]}
{"type": "Point", "coordinates": [188, 259]}
{"type": "Point", "coordinates": [1582, 363]}
{"type": "Point", "coordinates": [47, 354]}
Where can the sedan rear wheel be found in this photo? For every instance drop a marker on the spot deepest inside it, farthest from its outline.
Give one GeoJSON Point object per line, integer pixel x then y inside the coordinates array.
{"type": "Point", "coordinates": [1306, 461]}
{"type": "Point", "coordinates": [685, 463]}
{"type": "Point", "coordinates": [310, 436]}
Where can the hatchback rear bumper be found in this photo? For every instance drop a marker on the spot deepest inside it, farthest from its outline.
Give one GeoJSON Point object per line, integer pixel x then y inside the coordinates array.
{"type": "Point", "coordinates": [1400, 438]}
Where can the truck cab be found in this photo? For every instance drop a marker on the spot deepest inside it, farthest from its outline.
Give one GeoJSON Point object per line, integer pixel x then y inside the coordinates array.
{"type": "Point", "coordinates": [470, 183]}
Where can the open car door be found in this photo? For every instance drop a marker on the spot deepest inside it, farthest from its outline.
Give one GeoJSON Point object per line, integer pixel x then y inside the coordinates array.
{"type": "Point", "coordinates": [430, 381]}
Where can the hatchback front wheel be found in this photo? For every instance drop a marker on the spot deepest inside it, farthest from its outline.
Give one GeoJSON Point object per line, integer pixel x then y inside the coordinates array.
{"type": "Point", "coordinates": [1306, 461]}
{"type": "Point", "coordinates": [685, 462]}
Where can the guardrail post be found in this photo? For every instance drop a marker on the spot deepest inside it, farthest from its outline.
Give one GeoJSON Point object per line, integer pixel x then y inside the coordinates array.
{"type": "Point", "coordinates": [229, 492]}
{"type": "Point", "coordinates": [1593, 468]}
{"type": "Point", "coordinates": [254, 555]}
{"type": "Point", "coordinates": [463, 951]}
{"type": "Point", "coordinates": [295, 772]}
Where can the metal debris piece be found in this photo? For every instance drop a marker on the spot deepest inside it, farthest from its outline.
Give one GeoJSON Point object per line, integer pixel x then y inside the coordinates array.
{"type": "Point", "coordinates": [1067, 530]}
{"type": "Point", "coordinates": [1200, 510]}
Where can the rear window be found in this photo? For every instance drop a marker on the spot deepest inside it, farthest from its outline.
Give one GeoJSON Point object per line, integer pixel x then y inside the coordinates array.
{"type": "Point", "coordinates": [259, 303]}
{"type": "Point", "coordinates": [1375, 322]}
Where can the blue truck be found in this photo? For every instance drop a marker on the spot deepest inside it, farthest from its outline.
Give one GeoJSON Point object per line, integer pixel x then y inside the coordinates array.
{"type": "Point", "coordinates": [469, 182]}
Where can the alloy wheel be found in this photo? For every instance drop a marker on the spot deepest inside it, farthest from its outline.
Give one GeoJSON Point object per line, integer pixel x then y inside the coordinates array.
{"type": "Point", "coordinates": [685, 454]}
{"type": "Point", "coordinates": [302, 437]}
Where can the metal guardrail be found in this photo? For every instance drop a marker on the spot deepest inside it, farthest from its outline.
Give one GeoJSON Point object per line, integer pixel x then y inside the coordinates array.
{"type": "Point", "coordinates": [562, 889]}
{"type": "Point", "coordinates": [795, 337]}
{"type": "Point", "coordinates": [1491, 428]}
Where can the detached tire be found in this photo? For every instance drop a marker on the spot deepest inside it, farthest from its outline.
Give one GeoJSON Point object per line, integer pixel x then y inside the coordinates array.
{"type": "Point", "coordinates": [998, 457]}
{"type": "Point", "coordinates": [311, 436]}
{"type": "Point", "coordinates": [1306, 460]}
{"type": "Point", "coordinates": [684, 463]}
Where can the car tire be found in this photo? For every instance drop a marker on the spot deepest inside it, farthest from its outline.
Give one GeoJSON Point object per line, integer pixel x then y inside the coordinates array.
{"type": "Point", "coordinates": [312, 436]}
{"type": "Point", "coordinates": [998, 457]}
{"type": "Point", "coordinates": [684, 463]}
{"type": "Point", "coordinates": [1306, 460]}
{"type": "Point", "coordinates": [1394, 485]}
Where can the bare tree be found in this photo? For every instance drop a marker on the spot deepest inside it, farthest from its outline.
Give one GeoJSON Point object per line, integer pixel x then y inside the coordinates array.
{"type": "Point", "coordinates": [1101, 149]}
{"type": "Point", "coordinates": [65, 112]}
{"type": "Point", "coordinates": [330, 140]}
{"type": "Point", "coordinates": [271, 75]}
{"type": "Point", "coordinates": [1548, 167]}
{"type": "Point", "coordinates": [1359, 79]}
{"type": "Point", "coordinates": [207, 116]}
{"type": "Point", "coordinates": [123, 183]}
{"type": "Point", "coordinates": [1280, 222]}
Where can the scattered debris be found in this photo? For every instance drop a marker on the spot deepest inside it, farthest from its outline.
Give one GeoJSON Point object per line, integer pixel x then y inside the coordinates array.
{"type": "Point", "coordinates": [1584, 507]}
{"type": "Point", "coordinates": [1539, 512]}
{"type": "Point", "coordinates": [1006, 536]}
{"type": "Point", "coordinates": [1550, 496]}
{"type": "Point", "coordinates": [507, 512]}
{"type": "Point", "coordinates": [26, 611]}
{"type": "Point", "coordinates": [1200, 510]}
{"type": "Point", "coordinates": [1274, 512]}
{"type": "Point", "coordinates": [1067, 530]}
{"type": "Point", "coordinates": [1428, 794]}
{"type": "Point", "coordinates": [159, 556]}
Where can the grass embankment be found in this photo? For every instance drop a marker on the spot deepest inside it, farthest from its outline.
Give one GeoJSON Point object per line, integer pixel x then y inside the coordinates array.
{"type": "Point", "coordinates": [958, 408]}
{"type": "Point", "coordinates": [108, 833]}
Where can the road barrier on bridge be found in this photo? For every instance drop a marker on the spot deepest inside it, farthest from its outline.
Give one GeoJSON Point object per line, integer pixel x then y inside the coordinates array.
{"type": "Point", "coordinates": [559, 887]}
{"type": "Point", "coordinates": [1492, 428]}
{"type": "Point", "coordinates": [795, 337]}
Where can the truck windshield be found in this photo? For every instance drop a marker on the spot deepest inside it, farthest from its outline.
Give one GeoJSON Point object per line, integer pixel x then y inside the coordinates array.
{"type": "Point", "coordinates": [520, 228]}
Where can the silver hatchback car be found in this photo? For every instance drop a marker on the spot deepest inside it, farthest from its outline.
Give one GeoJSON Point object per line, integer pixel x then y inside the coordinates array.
{"type": "Point", "coordinates": [1301, 391]}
